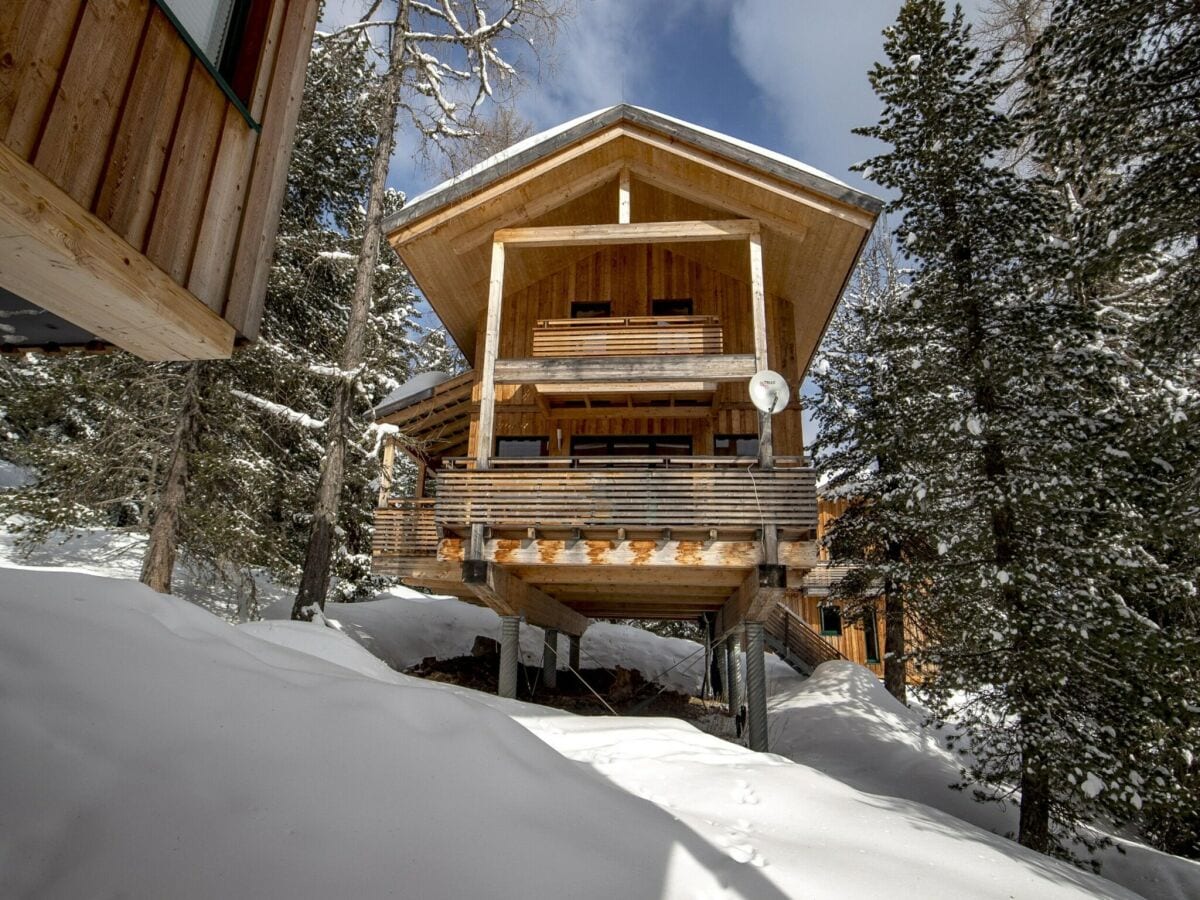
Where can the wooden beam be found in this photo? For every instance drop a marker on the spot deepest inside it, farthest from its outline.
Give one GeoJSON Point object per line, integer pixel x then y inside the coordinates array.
{"type": "Point", "coordinates": [623, 369]}
{"type": "Point", "coordinates": [487, 373]}
{"type": "Point", "coordinates": [758, 303]}
{"type": "Point", "coordinates": [62, 258]}
{"type": "Point", "coordinates": [386, 471]}
{"type": "Point", "coordinates": [636, 412]}
{"type": "Point", "coordinates": [635, 233]}
{"type": "Point", "coordinates": [510, 596]}
{"type": "Point", "coordinates": [594, 389]}
{"type": "Point", "coordinates": [754, 598]}
{"type": "Point", "coordinates": [540, 205]}
{"type": "Point", "coordinates": [641, 555]}
{"type": "Point", "coordinates": [623, 194]}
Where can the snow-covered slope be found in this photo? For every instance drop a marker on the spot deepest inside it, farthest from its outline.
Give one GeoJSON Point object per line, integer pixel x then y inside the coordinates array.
{"type": "Point", "coordinates": [152, 750]}
{"type": "Point", "coordinates": [842, 722]}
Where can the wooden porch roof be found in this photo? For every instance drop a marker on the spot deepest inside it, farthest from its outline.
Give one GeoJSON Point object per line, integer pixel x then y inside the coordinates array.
{"type": "Point", "coordinates": [813, 226]}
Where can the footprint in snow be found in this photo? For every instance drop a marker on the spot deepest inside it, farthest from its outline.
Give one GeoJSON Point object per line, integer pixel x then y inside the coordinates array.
{"type": "Point", "coordinates": [743, 793]}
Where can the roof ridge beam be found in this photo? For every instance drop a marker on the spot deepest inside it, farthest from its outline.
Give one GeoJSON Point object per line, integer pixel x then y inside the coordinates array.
{"type": "Point", "coordinates": [629, 233]}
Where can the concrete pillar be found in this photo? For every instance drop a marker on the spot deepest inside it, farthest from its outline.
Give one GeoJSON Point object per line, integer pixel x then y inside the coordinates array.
{"type": "Point", "coordinates": [573, 658]}
{"type": "Point", "coordinates": [733, 656]}
{"type": "Point", "coordinates": [756, 686]}
{"type": "Point", "coordinates": [510, 653]}
{"type": "Point", "coordinates": [550, 658]}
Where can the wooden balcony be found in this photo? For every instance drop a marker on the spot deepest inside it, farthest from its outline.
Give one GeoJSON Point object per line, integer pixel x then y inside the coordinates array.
{"type": "Point", "coordinates": [628, 336]}
{"type": "Point", "coordinates": [702, 497]}
{"type": "Point", "coordinates": [405, 528]}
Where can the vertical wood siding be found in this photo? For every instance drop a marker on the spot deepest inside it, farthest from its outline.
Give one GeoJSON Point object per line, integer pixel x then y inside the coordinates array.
{"type": "Point", "coordinates": [105, 98]}
{"type": "Point", "coordinates": [631, 278]}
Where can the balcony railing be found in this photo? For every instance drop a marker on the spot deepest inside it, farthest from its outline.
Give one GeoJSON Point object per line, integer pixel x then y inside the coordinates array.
{"type": "Point", "coordinates": [629, 336]}
{"type": "Point", "coordinates": [405, 527]}
{"type": "Point", "coordinates": [643, 496]}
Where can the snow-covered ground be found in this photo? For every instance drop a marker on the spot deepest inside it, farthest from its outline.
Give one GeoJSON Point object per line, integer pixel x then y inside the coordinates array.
{"type": "Point", "coordinates": [150, 749]}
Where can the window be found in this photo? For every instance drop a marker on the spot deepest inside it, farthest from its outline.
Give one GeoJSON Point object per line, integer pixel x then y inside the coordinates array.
{"type": "Point", "coordinates": [681, 307]}
{"type": "Point", "coordinates": [831, 620]}
{"type": "Point", "coordinates": [631, 445]}
{"type": "Point", "coordinates": [522, 447]}
{"type": "Point", "coordinates": [227, 35]}
{"type": "Point", "coordinates": [736, 445]}
{"type": "Point", "coordinates": [591, 309]}
{"type": "Point", "coordinates": [871, 636]}
{"type": "Point", "coordinates": [206, 22]}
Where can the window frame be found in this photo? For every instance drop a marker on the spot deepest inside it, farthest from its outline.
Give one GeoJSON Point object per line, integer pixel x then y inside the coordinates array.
{"type": "Point", "coordinates": [650, 439]}
{"type": "Point", "coordinates": [733, 442]}
{"type": "Point", "coordinates": [871, 638]}
{"type": "Point", "coordinates": [597, 304]}
{"type": "Point", "coordinates": [544, 445]}
{"type": "Point", "coordinates": [691, 307]}
{"type": "Point", "coordinates": [836, 610]}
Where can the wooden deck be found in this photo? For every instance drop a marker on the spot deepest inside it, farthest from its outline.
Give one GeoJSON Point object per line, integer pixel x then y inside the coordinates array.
{"type": "Point", "coordinates": [709, 496]}
{"type": "Point", "coordinates": [628, 336]}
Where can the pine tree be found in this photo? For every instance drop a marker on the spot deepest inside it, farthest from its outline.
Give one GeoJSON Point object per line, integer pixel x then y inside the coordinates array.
{"type": "Point", "coordinates": [860, 413]}
{"type": "Point", "coordinates": [1016, 486]}
{"type": "Point", "coordinates": [1112, 100]}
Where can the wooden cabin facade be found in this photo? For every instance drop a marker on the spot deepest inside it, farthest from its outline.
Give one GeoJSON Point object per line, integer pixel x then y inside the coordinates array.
{"type": "Point", "coordinates": [144, 147]}
{"type": "Point", "coordinates": [616, 283]}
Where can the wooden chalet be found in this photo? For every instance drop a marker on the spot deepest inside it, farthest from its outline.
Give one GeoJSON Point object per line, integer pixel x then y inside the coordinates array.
{"type": "Point", "coordinates": [616, 282]}
{"type": "Point", "coordinates": [144, 146]}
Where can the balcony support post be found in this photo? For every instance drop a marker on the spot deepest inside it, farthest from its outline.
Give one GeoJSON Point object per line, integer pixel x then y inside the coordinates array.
{"type": "Point", "coordinates": [573, 653]}
{"type": "Point", "coordinates": [758, 302]}
{"type": "Point", "coordinates": [487, 373]}
{"type": "Point", "coordinates": [550, 659]}
{"type": "Point", "coordinates": [756, 687]}
{"type": "Point", "coordinates": [510, 649]}
{"type": "Point", "coordinates": [733, 664]}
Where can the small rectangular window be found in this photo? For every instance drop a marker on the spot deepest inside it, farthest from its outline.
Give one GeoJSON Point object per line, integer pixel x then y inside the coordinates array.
{"type": "Point", "coordinates": [871, 636]}
{"type": "Point", "coordinates": [522, 447]}
{"type": "Point", "coordinates": [736, 445]}
{"type": "Point", "coordinates": [591, 309]}
{"type": "Point", "coordinates": [831, 620]}
{"type": "Point", "coordinates": [680, 307]}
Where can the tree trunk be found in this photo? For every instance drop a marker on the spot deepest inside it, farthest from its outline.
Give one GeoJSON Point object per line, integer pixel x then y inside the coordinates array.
{"type": "Point", "coordinates": [1034, 828]}
{"type": "Point", "coordinates": [895, 666]}
{"type": "Point", "coordinates": [159, 562]}
{"type": "Point", "coordinates": [314, 581]}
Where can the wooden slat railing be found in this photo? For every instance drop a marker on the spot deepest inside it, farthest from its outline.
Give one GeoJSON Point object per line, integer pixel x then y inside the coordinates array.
{"type": "Point", "coordinates": [793, 636]}
{"type": "Point", "coordinates": [405, 528]}
{"type": "Point", "coordinates": [632, 496]}
{"type": "Point", "coordinates": [628, 336]}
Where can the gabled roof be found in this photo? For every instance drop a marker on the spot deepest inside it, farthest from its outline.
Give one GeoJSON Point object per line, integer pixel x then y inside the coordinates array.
{"type": "Point", "coordinates": [813, 225]}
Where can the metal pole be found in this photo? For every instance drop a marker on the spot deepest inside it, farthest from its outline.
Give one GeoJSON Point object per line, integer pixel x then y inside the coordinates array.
{"type": "Point", "coordinates": [573, 658]}
{"type": "Point", "coordinates": [550, 658]}
{"type": "Point", "coordinates": [756, 686]}
{"type": "Point", "coordinates": [510, 652]}
{"type": "Point", "coordinates": [733, 653]}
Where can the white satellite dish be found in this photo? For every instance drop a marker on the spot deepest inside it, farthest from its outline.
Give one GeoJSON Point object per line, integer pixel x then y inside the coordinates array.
{"type": "Point", "coordinates": [769, 391]}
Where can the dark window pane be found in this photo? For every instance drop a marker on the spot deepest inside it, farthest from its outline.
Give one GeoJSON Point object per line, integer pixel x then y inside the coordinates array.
{"type": "Point", "coordinates": [831, 620]}
{"type": "Point", "coordinates": [509, 448]}
{"type": "Point", "coordinates": [871, 637]}
{"type": "Point", "coordinates": [591, 309]}
{"type": "Point", "coordinates": [736, 445]}
{"type": "Point", "coordinates": [632, 445]}
{"type": "Point", "coordinates": [681, 307]}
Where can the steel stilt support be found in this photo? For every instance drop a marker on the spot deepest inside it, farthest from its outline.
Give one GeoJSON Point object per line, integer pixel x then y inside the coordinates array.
{"type": "Point", "coordinates": [573, 658]}
{"type": "Point", "coordinates": [550, 658]}
{"type": "Point", "coordinates": [510, 652]}
{"type": "Point", "coordinates": [756, 686]}
{"type": "Point", "coordinates": [733, 654]}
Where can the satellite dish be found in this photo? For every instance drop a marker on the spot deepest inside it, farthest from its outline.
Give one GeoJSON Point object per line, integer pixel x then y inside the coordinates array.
{"type": "Point", "coordinates": [769, 391]}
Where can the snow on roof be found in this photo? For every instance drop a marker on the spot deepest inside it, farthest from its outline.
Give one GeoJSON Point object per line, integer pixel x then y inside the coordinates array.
{"type": "Point", "coordinates": [419, 387]}
{"type": "Point", "coordinates": [531, 148]}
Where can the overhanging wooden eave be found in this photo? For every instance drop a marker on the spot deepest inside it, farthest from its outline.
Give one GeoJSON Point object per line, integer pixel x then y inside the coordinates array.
{"type": "Point", "coordinates": [64, 259]}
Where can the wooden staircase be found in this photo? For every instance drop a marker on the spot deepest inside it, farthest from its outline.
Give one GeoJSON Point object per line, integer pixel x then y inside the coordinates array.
{"type": "Point", "coordinates": [791, 638]}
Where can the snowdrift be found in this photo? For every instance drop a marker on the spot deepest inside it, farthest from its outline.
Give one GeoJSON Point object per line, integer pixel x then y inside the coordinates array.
{"type": "Point", "coordinates": [842, 722]}
{"type": "Point", "coordinates": [152, 750]}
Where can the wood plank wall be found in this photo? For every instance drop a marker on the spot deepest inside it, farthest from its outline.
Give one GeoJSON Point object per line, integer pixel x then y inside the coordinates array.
{"type": "Point", "coordinates": [105, 99]}
{"type": "Point", "coordinates": [631, 277]}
